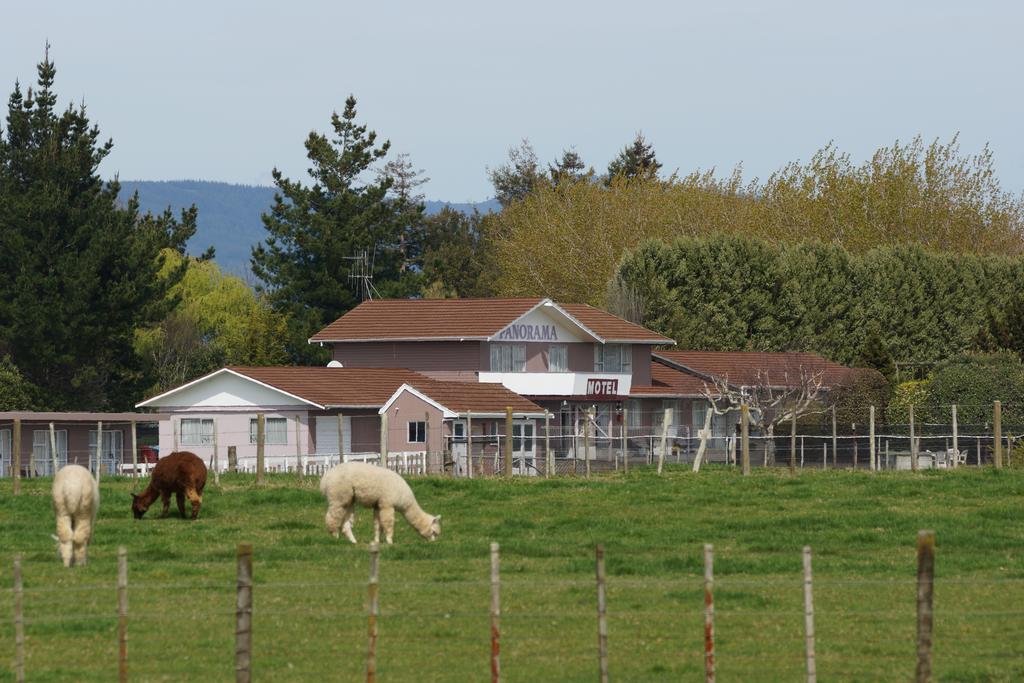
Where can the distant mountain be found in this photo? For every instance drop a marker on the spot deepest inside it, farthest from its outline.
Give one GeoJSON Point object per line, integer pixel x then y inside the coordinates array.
{"type": "Point", "coordinates": [229, 215]}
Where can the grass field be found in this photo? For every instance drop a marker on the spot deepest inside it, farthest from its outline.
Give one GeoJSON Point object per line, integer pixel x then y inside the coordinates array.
{"type": "Point", "coordinates": [310, 591]}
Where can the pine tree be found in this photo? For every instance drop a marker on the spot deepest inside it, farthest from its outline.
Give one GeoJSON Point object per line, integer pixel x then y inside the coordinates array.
{"type": "Point", "coordinates": [80, 271]}
{"type": "Point", "coordinates": [635, 161]}
{"type": "Point", "coordinates": [316, 231]}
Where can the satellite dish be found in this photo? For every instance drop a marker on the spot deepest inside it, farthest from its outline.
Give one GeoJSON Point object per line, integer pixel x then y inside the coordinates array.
{"type": "Point", "coordinates": [335, 364]}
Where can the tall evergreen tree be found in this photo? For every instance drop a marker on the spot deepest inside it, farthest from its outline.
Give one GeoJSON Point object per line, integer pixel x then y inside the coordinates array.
{"type": "Point", "coordinates": [635, 161]}
{"type": "Point", "coordinates": [80, 271]}
{"type": "Point", "coordinates": [316, 231]}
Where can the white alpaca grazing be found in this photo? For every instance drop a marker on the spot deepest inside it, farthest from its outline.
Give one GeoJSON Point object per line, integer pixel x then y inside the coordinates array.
{"type": "Point", "coordinates": [373, 487]}
{"type": "Point", "coordinates": [76, 500]}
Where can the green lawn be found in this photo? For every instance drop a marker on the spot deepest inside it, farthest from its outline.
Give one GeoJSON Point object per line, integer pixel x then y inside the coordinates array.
{"type": "Point", "coordinates": [310, 591]}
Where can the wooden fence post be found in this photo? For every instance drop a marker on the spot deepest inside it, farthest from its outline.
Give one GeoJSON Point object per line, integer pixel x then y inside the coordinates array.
{"type": "Point", "coordinates": [602, 619]}
{"type": "Point", "coordinates": [625, 440]}
{"type": "Point", "coordinates": [744, 441]}
{"type": "Point", "coordinates": [549, 460]}
{"type": "Point", "coordinates": [53, 449]}
{"type": "Point", "coordinates": [664, 438]}
{"type": "Point", "coordinates": [612, 455]}
{"type": "Point", "coordinates": [709, 615]}
{"type": "Point", "coordinates": [835, 440]}
{"type": "Point", "coordinates": [997, 433]}
{"type": "Point", "coordinates": [135, 448]}
{"type": "Point", "coordinates": [122, 613]}
{"type": "Point", "coordinates": [812, 675]}
{"type": "Point", "coordinates": [298, 448]}
{"type": "Point", "coordinates": [469, 444]}
{"type": "Point", "coordinates": [495, 616]}
{"type": "Point", "coordinates": [232, 458]}
{"type": "Point", "coordinates": [384, 439]}
{"type": "Point", "coordinates": [586, 439]}
{"type": "Point", "coordinates": [261, 442]}
{"type": "Point", "coordinates": [792, 443]}
{"type": "Point", "coordinates": [508, 443]}
{"type": "Point", "coordinates": [872, 452]}
{"type": "Point", "coordinates": [243, 615]}
{"type": "Point", "coordinates": [913, 442]}
{"type": "Point", "coordinates": [956, 442]}
{"type": "Point", "coordinates": [16, 460]}
{"type": "Point", "coordinates": [215, 462]}
{"type": "Point", "coordinates": [373, 589]}
{"type": "Point", "coordinates": [19, 624]}
{"type": "Point", "coordinates": [925, 588]}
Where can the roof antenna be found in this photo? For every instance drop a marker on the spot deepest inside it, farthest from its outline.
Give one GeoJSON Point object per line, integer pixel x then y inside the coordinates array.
{"type": "Point", "coordinates": [361, 275]}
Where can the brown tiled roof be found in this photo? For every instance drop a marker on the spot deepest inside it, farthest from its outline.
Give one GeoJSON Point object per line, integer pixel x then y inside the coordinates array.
{"type": "Point", "coordinates": [480, 397]}
{"type": "Point", "coordinates": [743, 367]}
{"type": "Point", "coordinates": [436, 319]}
{"type": "Point", "coordinates": [333, 386]}
{"type": "Point", "coordinates": [668, 381]}
{"type": "Point", "coordinates": [425, 319]}
{"type": "Point", "coordinates": [612, 327]}
{"type": "Point", "coordinates": [371, 387]}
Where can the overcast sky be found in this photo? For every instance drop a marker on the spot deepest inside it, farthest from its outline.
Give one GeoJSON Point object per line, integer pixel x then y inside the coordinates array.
{"type": "Point", "coordinates": [219, 92]}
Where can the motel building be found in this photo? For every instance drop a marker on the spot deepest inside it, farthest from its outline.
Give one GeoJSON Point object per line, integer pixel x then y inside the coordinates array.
{"type": "Point", "coordinates": [434, 377]}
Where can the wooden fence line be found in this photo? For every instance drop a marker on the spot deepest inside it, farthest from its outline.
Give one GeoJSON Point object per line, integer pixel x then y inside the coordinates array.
{"type": "Point", "coordinates": [495, 616]}
{"type": "Point", "coordinates": [243, 615]}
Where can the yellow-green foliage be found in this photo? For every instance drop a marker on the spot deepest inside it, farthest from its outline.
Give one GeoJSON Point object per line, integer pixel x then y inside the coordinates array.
{"type": "Point", "coordinates": [912, 393]}
{"type": "Point", "coordinates": [565, 240]}
{"type": "Point", "coordinates": [217, 320]}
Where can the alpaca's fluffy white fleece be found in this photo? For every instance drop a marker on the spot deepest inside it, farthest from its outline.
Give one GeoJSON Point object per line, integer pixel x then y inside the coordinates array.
{"type": "Point", "coordinates": [76, 500]}
{"type": "Point", "coordinates": [374, 487]}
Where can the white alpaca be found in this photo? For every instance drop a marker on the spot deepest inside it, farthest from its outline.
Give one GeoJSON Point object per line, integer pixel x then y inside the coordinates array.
{"type": "Point", "coordinates": [76, 500]}
{"type": "Point", "coordinates": [373, 487]}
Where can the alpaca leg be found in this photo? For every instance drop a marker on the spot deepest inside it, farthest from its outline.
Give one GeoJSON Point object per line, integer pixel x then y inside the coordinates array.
{"type": "Point", "coordinates": [376, 525]}
{"type": "Point", "coordinates": [337, 518]}
{"type": "Point", "coordinates": [83, 532]}
{"type": "Point", "coordinates": [166, 500]}
{"type": "Point", "coordinates": [64, 539]}
{"type": "Point", "coordinates": [196, 500]}
{"type": "Point", "coordinates": [387, 520]}
{"type": "Point", "coordinates": [180, 498]}
{"type": "Point", "coordinates": [346, 525]}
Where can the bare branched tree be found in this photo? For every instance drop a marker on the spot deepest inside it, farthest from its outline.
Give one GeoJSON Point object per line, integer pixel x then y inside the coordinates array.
{"type": "Point", "coordinates": [772, 401]}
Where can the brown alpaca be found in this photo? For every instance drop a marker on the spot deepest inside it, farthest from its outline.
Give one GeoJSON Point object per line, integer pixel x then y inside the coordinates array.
{"type": "Point", "coordinates": [181, 473]}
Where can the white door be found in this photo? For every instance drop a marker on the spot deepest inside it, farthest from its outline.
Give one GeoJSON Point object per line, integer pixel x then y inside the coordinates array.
{"type": "Point", "coordinates": [327, 435]}
{"type": "Point", "coordinates": [524, 448]}
{"type": "Point", "coordinates": [459, 448]}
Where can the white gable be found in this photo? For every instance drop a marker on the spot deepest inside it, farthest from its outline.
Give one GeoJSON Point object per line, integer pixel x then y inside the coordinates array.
{"type": "Point", "coordinates": [224, 389]}
{"type": "Point", "coordinates": [543, 324]}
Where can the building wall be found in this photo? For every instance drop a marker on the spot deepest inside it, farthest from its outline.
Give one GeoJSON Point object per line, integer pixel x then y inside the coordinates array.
{"type": "Point", "coordinates": [232, 429]}
{"type": "Point", "coordinates": [427, 356]}
{"type": "Point", "coordinates": [410, 408]}
{"type": "Point", "coordinates": [77, 442]}
{"type": "Point", "coordinates": [641, 365]}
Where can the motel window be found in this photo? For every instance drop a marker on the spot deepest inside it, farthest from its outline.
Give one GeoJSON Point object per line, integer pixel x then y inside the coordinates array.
{"type": "Point", "coordinates": [195, 431]}
{"type": "Point", "coordinates": [508, 358]}
{"type": "Point", "coordinates": [613, 358]}
{"type": "Point", "coordinates": [276, 429]}
{"type": "Point", "coordinates": [558, 358]}
{"type": "Point", "coordinates": [417, 432]}
{"type": "Point", "coordinates": [5, 452]}
{"type": "Point", "coordinates": [42, 460]}
{"type": "Point", "coordinates": [113, 442]}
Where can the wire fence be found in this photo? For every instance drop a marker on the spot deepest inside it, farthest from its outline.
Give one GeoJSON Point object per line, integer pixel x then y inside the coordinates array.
{"type": "Point", "coordinates": [520, 626]}
{"type": "Point", "coordinates": [583, 440]}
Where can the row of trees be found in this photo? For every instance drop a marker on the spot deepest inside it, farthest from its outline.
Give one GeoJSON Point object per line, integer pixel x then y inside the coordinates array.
{"type": "Point", "coordinates": [901, 303]}
{"type": "Point", "coordinates": [566, 235]}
